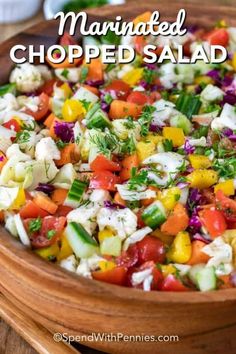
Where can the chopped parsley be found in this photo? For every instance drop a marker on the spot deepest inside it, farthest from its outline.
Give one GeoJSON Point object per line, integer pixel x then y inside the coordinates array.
{"type": "Point", "coordinates": [35, 225]}
{"type": "Point", "coordinates": [65, 73]}
{"type": "Point", "coordinates": [51, 234]}
{"type": "Point", "coordinates": [22, 137]}
{"type": "Point", "coordinates": [61, 144]}
{"type": "Point", "coordinates": [226, 168]}
{"type": "Point", "coordinates": [149, 75]}
{"type": "Point", "coordinates": [168, 145]}
{"type": "Point", "coordinates": [145, 119]}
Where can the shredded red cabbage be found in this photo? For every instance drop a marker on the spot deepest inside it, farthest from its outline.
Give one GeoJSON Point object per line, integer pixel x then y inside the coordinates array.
{"type": "Point", "coordinates": [188, 148]}
{"type": "Point", "coordinates": [199, 237]}
{"type": "Point", "coordinates": [229, 134]}
{"type": "Point", "coordinates": [45, 187]}
{"type": "Point", "coordinates": [110, 205]}
{"type": "Point", "coordinates": [94, 83]}
{"type": "Point", "coordinates": [195, 223]}
{"type": "Point", "coordinates": [64, 131]}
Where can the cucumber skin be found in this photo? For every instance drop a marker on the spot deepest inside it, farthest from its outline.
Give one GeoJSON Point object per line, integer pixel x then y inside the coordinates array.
{"type": "Point", "coordinates": [206, 279]}
{"type": "Point", "coordinates": [153, 216]}
{"type": "Point", "coordinates": [82, 244]}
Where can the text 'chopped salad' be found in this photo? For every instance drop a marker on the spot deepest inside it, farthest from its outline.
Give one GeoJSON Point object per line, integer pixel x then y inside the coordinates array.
{"type": "Point", "coordinates": [126, 173]}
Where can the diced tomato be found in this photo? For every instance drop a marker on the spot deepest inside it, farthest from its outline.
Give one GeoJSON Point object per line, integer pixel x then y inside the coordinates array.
{"type": "Point", "coordinates": [140, 220]}
{"type": "Point", "coordinates": [214, 221]}
{"type": "Point", "coordinates": [104, 180]}
{"type": "Point", "coordinates": [151, 249]}
{"type": "Point", "coordinates": [114, 276]}
{"type": "Point", "coordinates": [155, 96]}
{"type": "Point", "coordinates": [13, 124]}
{"type": "Point", "coordinates": [43, 107]}
{"type": "Point", "coordinates": [218, 36]}
{"type": "Point", "coordinates": [31, 210]}
{"type": "Point", "coordinates": [48, 87]}
{"type": "Point", "coordinates": [138, 97]}
{"type": "Point", "coordinates": [101, 163]}
{"type": "Point", "coordinates": [171, 283]}
{"type": "Point", "coordinates": [225, 202]}
{"type": "Point", "coordinates": [120, 88]}
{"type": "Point", "coordinates": [40, 239]}
{"type": "Point", "coordinates": [139, 44]}
{"type": "Point", "coordinates": [63, 210]}
{"type": "Point", "coordinates": [128, 258]}
{"type": "Point", "coordinates": [67, 39]}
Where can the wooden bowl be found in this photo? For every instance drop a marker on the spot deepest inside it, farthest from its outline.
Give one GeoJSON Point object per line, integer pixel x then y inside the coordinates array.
{"type": "Point", "coordinates": [66, 303]}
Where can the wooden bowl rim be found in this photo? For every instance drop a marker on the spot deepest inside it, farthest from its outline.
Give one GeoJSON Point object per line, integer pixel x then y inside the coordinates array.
{"type": "Point", "coordinates": [13, 250]}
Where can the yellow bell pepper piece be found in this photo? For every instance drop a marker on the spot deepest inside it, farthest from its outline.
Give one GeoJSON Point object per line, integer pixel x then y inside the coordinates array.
{"type": "Point", "coordinates": [227, 187]}
{"type": "Point", "coordinates": [190, 89]}
{"type": "Point", "coordinates": [133, 76]}
{"type": "Point", "coordinates": [144, 17]}
{"type": "Point", "coordinates": [234, 61]}
{"type": "Point", "coordinates": [169, 197]}
{"type": "Point", "coordinates": [203, 79]}
{"type": "Point", "coordinates": [174, 134]}
{"type": "Point", "coordinates": [19, 201]}
{"type": "Point", "coordinates": [154, 138]}
{"type": "Point", "coordinates": [167, 239]}
{"type": "Point", "coordinates": [72, 110]}
{"type": "Point", "coordinates": [67, 90]}
{"type": "Point", "coordinates": [202, 178]}
{"type": "Point", "coordinates": [199, 161]}
{"type": "Point", "coordinates": [65, 249]}
{"type": "Point", "coordinates": [168, 269]}
{"type": "Point", "coordinates": [145, 149]}
{"type": "Point", "coordinates": [106, 265]}
{"type": "Point", "coordinates": [48, 252]}
{"type": "Point", "coordinates": [181, 249]}
{"type": "Point", "coordinates": [105, 234]}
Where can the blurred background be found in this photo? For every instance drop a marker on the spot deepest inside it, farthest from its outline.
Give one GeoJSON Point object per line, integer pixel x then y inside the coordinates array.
{"type": "Point", "coordinates": [15, 15]}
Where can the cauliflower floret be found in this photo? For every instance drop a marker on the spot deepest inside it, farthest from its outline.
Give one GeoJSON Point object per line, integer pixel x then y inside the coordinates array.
{"type": "Point", "coordinates": [45, 72]}
{"type": "Point", "coordinates": [221, 256]}
{"type": "Point", "coordinates": [46, 149]}
{"type": "Point", "coordinates": [145, 276]}
{"type": "Point", "coordinates": [69, 263]}
{"type": "Point", "coordinates": [164, 111]}
{"type": "Point", "coordinates": [26, 77]}
{"type": "Point", "coordinates": [69, 74]}
{"type": "Point", "coordinates": [8, 103]}
{"type": "Point", "coordinates": [227, 118]}
{"type": "Point", "coordinates": [122, 221]}
{"type": "Point", "coordinates": [211, 93]}
{"type": "Point", "coordinates": [5, 143]}
{"type": "Point", "coordinates": [31, 103]}
{"type": "Point", "coordinates": [87, 265]}
{"type": "Point", "coordinates": [86, 214]}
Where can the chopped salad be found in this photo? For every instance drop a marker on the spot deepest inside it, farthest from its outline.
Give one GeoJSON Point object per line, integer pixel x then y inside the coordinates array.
{"type": "Point", "coordinates": [125, 173]}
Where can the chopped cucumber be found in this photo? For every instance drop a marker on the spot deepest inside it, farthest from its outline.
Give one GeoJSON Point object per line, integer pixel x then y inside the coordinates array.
{"type": "Point", "coordinates": [206, 279]}
{"type": "Point", "coordinates": [96, 118]}
{"type": "Point", "coordinates": [188, 104]}
{"type": "Point", "coordinates": [154, 215]}
{"type": "Point", "coordinates": [75, 193]}
{"type": "Point", "coordinates": [111, 246]}
{"type": "Point", "coordinates": [81, 242]}
{"type": "Point", "coordinates": [194, 271]}
{"type": "Point", "coordinates": [9, 88]}
{"type": "Point", "coordinates": [181, 121]}
{"type": "Point", "coordinates": [82, 94]}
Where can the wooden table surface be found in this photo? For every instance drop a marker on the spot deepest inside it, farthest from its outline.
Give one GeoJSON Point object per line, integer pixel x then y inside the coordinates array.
{"type": "Point", "coordinates": [10, 342]}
